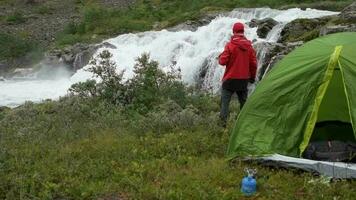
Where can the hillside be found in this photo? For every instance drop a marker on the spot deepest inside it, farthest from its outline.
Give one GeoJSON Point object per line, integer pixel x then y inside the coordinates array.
{"type": "Point", "coordinates": [29, 28]}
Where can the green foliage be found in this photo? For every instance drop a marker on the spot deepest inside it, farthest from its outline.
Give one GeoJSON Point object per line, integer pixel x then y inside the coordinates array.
{"type": "Point", "coordinates": [144, 15]}
{"type": "Point", "coordinates": [149, 87]}
{"type": "Point", "coordinates": [110, 88]}
{"type": "Point", "coordinates": [12, 46]}
{"type": "Point", "coordinates": [15, 18]}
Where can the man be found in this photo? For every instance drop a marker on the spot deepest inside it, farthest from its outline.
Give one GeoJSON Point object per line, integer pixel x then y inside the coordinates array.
{"type": "Point", "coordinates": [239, 57]}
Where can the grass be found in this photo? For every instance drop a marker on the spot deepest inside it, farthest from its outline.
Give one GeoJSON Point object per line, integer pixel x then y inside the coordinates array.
{"type": "Point", "coordinates": [92, 150]}
{"type": "Point", "coordinates": [144, 15]}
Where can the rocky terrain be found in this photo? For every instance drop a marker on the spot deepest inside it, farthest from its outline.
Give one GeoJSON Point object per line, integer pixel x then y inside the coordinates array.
{"type": "Point", "coordinates": [40, 22]}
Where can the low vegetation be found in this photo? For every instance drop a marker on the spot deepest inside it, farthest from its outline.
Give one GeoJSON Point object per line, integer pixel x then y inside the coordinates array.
{"type": "Point", "coordinates": [150, 137]}
{"type": "Point", "coordinates": [15, 18]}
{"type": "Point", "coordinates": [14, 46]}
{"type": "Point", "coordinates": [99, 22]}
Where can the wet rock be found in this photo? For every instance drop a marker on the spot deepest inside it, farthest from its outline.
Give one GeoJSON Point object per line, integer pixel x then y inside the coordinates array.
{"type": "Point", "coordinates": [337, 29]}
{"type": "Point", "coordinates": [193, 25]}
{"type": "Point", "coordinates": [264, 52]}
{"type": "Point", "coordinates": [272, 53]}
{"type": "Point", "coordinates": [302, 29]}
{"type": "Point", "coordinates": [349, 13]}
{"type": "Point", "coordinates": [264, 26]}
{"type": "Point", "coordinates": [253, 23]}
{"type": "Point", "coordinates": [108, 45]}
{"type": "Point", "coordinates": [22, 72]}
{"type": "Point", "coordinates": [75, 57]}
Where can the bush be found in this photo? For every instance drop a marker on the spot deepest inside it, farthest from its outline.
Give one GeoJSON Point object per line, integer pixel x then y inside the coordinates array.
{"type": "Point", "coordinates": [15, 18]}
{"type": "Point", "coordinates": [149, 87]}
{"type": "Point", "coordinates": [12, 46]}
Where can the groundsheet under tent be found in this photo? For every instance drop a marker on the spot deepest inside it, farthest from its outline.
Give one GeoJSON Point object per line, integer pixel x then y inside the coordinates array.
{"type": "Point", "coordinates": [330, 169]}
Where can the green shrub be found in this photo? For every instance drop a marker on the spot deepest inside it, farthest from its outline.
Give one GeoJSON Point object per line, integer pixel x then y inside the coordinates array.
{"type": "Point", "coordinates": [15, 18]}
{"type": "Point", "coordinates": [12, 46]}
{"type": "Point", "coordinates": [110, 87]}
{"type": "Point", "coordinates": [149, 87]}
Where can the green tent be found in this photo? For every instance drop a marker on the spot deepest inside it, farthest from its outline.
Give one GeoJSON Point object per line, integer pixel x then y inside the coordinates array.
{"type": "Point", "coordinates": [309, 95]}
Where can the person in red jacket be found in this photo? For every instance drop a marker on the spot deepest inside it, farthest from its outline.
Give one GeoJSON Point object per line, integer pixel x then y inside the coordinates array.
{"type": "Point", "coordinates": [239, 57]}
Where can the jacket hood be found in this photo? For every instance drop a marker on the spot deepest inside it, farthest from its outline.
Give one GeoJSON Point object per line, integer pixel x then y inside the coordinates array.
{"type": "Point", "coordinates": [238, 27]}
{"type": "Point", "coordinates": [241, 41]}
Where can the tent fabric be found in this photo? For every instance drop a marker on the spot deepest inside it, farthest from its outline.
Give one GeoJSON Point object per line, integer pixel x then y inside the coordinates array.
{"type": "Point", "coordinates": [280, 115]}
{"type": "Point", "coordinates": [329, 169]}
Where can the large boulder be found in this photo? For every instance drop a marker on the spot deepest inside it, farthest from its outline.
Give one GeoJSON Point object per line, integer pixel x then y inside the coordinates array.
{"type": "Point", "coordinates": [302, 29]}
{"type": "Point", "coordinates": [264, 26]}
{"type": "Point", "coordinates": [75, 57]}
{"type": "Point", "coordinates": [349, 13]}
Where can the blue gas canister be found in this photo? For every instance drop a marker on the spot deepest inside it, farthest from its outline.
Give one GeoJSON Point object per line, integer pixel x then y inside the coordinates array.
{"type": "Point", "coordinates": [249, 183]}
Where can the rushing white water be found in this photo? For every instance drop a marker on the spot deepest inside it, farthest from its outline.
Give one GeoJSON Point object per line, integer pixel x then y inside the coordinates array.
{"type": "Point", "coordinates": [191, 51]}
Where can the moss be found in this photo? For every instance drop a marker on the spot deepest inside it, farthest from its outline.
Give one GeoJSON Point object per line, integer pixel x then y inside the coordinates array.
{"type": "Point", "coordinates": [307, 36]}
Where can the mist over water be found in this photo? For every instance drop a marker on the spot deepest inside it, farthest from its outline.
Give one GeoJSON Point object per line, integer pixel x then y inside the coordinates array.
{"type": "Point", "coordinates": [191, 51]}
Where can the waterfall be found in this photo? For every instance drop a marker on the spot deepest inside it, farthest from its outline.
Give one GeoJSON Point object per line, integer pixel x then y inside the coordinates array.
{"type": "Point", "coordinates": [194, 52]}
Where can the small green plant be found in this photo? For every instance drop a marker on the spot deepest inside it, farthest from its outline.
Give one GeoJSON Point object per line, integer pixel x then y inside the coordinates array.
{"type": "Point", "coordinates": [45, 10]}
{"type": "Point", "coordinates": [110, 86]}
{"type": "Point", "coordinates": [15, 18]}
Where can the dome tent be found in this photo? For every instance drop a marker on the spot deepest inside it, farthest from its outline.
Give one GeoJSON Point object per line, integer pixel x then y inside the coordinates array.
{"type": "Point", "coordinates": [314, 84]}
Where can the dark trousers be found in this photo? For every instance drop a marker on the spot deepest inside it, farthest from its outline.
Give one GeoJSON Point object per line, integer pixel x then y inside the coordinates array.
{"type": "Point", "coordinates": [225, 101]}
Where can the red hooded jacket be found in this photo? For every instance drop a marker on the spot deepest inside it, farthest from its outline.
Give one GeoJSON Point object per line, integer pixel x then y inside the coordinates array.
{"type": "Point", "coordinates": [239, 57]}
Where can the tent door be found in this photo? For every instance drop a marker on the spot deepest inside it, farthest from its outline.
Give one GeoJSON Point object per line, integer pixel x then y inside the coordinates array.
{"type": "Point", "coordinates": [334, 121]}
